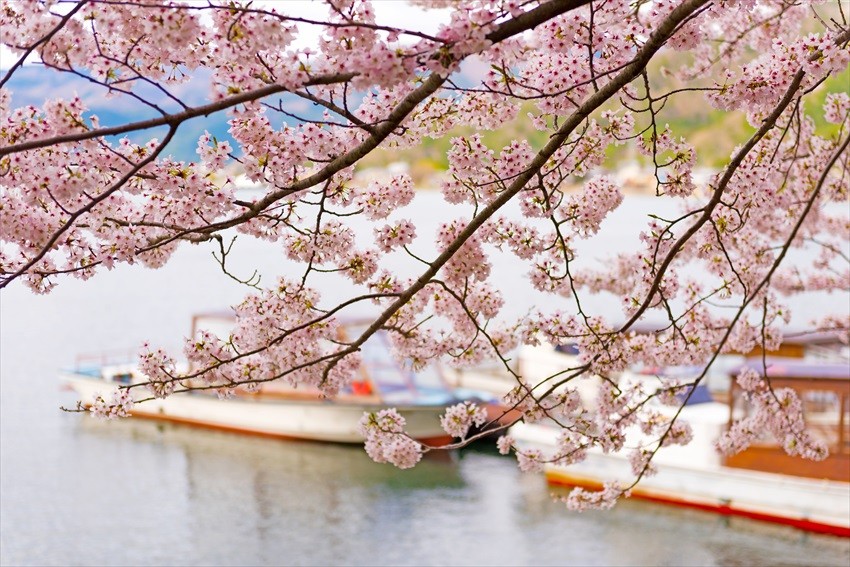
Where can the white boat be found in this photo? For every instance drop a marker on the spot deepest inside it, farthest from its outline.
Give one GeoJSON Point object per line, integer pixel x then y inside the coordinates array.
{"type": "Point", "coordinates": [761, 482]}
{"type": "Point", "coordinates": [533, 363]}
{"type": "Point", "coordinates": [279, 410]}
{"type": "Point", "coordinates": [271, 416]}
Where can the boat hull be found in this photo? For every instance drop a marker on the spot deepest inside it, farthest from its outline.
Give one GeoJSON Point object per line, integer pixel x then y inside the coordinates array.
{"type": "Point", "coordinates": [821, 506]}
{"type": "Point", "coordinates": [315, 420]}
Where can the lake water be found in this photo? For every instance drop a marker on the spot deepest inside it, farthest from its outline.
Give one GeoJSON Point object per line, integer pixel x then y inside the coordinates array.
{"type": "Point", "coordinates": [75, 491]}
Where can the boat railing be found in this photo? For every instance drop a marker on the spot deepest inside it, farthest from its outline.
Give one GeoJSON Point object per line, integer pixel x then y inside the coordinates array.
{"type": "Point", "coordinates": [113, 357]}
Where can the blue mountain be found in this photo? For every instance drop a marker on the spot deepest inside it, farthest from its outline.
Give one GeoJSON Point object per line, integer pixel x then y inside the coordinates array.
{"type": "Point", "coordinates": [33, 84]}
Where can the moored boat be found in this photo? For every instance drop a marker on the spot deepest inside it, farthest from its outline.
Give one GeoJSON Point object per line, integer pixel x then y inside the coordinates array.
{"type": "Point", "coordinates": [277, 415]}
{"type": "Point", "coordinates": [761, 482]}
{"type": "Point", "coordinates": [279, 410]}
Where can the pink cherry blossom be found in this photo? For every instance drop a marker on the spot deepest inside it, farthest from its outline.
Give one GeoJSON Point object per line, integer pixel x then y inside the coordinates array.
{"type": "Point", "coordinates": [521, 114]}
{"type": "Point", "coordinates": [460, 417]}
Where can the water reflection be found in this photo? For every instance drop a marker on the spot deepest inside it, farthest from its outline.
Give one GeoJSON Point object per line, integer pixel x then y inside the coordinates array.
{"type": "Point", "coordinates": [134, 492]}
{"type": "Point", "coordinates": [251, 500]}
{"type": "Point", "coordinates": [256, 501]}
{"type": "Point", "coordinates": [287, 463]}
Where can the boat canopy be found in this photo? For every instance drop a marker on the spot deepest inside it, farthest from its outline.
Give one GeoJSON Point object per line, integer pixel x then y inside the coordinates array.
{"type": "Point", "coordinates": [396, 381]}
{"type": "Point", "coordinates": [824, 390]}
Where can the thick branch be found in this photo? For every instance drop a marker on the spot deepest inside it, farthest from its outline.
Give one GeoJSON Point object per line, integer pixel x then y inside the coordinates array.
{"type": "Point", "coordinates": [173, 119]}
{"type": "Point", "coordinates": [630, 72]}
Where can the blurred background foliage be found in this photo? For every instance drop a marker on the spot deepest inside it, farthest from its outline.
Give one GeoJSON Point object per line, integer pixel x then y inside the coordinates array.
{"type": "Point", "coordinates": [714, 133]}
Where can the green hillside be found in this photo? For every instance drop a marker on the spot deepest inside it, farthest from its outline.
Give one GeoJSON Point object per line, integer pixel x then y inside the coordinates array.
{"type": "Point", "coordinates": [714, 133]}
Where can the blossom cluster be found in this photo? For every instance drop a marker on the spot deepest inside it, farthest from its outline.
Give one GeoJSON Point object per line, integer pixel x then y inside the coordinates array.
{"type": "Point", "coordinates": [774, 411]}
{"type": "Point", "coordinates": [386, 441]}
{"type": "Point", "coordinates": [119, 405]}
{"type": "Point", "coordinates": [459, 418]}
{"type": "Point", "coordinates": [581, 499]}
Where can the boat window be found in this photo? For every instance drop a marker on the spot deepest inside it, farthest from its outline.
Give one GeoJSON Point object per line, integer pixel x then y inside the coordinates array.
{"type": "Point", "coordinates": [822, 411]}
{"type": "Point", "coordinates": [396, 380]}
{"type": "Point", "coordinates": [381, 367]}
{"type": "Point", "coordinates": [824, 393]}
{"type": "Point", "coordinates": [123, 378]}
{"type": "Point", "coordinates": [429, 377]}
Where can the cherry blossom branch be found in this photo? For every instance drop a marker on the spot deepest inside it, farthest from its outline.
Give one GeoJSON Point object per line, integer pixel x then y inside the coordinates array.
{"type": "Point", "coordinates": [43, 40]}
{"type": "Point", "coordinates": [172, 119]}
{"type": "Point", "coordinates": [631, 71]}
{"type": "Point", "coordinates": [717, 194]}
{"type": "Point", "coordinates": [133, 171]}
{"type": "Point", "coordinates": [837, 153]}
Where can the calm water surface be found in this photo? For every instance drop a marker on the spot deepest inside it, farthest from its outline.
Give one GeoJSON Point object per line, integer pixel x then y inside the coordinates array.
{"type": "Point", "coordinates": [75, 491]}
